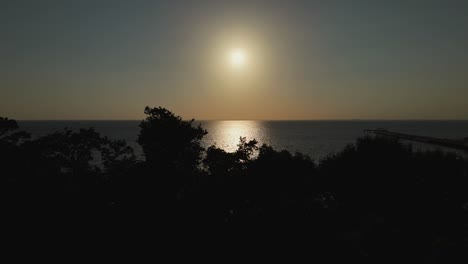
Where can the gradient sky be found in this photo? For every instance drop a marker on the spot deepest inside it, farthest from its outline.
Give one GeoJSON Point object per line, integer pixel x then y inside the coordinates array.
{"type": "Point", "coordinates": [306, 59]}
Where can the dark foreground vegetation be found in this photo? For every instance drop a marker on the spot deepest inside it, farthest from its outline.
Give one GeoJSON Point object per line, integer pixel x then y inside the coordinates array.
{"type": "Point", "coordinates": [376, 201]}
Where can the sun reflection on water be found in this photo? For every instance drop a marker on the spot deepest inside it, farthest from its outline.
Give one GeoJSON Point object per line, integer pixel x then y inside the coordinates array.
{"type": "Point", "coordinates": [226, 134]}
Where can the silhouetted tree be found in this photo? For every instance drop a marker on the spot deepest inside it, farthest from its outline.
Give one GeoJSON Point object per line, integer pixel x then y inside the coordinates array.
{"type": "Point", "coordinates": [221, 163]}
{"type": "Point", "coordinates": [117, 156]}
{"type": "Point", "coordinates": [12, 163]}
{"type": "Point", "coordinates": [169, 142]}
{"type": "Point", "coordinates": [172, 148]}
{"type": "Point", "coordinates": [7, 136]}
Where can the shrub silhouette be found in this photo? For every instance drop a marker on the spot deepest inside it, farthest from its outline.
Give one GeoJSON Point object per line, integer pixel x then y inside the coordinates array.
{"type": "Point", "coordinates": [65, 169]}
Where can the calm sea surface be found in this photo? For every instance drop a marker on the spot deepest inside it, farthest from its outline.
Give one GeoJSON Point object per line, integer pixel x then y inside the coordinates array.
{"type": "Point", "coordinates": [315, 138]}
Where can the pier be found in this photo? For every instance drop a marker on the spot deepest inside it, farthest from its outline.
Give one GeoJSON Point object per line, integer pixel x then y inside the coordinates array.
{"type": "Point", "coordinates": [450, 143]}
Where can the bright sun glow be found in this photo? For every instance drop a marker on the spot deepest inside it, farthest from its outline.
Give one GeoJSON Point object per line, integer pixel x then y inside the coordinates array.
{"type": "Point", "coordinates": [238, 58]}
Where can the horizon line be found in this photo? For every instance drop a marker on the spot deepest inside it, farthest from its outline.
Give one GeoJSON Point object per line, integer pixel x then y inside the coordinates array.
{"type": "Point", "coordinates": [268, 120]}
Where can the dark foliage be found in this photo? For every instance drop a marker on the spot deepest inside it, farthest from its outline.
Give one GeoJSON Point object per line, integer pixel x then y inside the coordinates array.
{"type": "Point", "coordinates": [376, 201]}
{"type": "Point", "coordinates": [169, 142]}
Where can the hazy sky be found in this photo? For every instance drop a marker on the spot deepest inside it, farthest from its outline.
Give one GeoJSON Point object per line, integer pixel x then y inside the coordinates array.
{"type": "Point", "coordinates": [304, 59]}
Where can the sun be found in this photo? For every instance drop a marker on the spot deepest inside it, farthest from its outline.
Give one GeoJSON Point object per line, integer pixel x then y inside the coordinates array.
{"type": "Point", "coordinates": [238, 58]}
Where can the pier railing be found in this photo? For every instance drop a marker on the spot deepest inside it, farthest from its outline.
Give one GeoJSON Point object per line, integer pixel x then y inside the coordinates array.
{"type": "Point", "coordinates": [451, 143]}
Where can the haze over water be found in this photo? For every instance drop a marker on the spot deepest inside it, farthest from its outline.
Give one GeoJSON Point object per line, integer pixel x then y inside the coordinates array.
{"type": "Point", "coordinates": [315, 138]}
